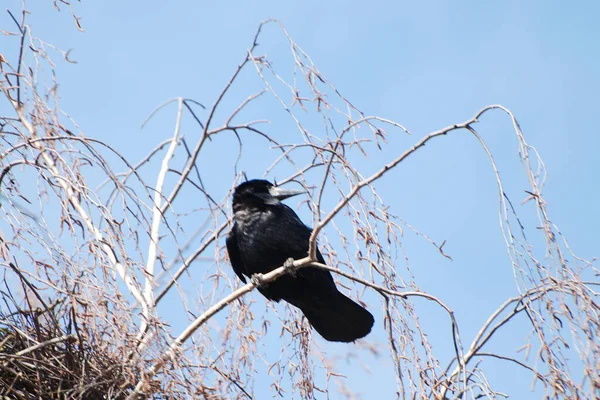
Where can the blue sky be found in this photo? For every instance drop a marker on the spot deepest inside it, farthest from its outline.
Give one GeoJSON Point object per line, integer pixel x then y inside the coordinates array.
{"type": "Point", "coordinates": [425, 65]}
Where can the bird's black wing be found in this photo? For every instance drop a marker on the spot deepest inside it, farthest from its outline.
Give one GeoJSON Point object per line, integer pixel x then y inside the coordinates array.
{"type": "Point", "coordinates": [297, 236]}
{"type": "Point", "coordinates": [234, 255]}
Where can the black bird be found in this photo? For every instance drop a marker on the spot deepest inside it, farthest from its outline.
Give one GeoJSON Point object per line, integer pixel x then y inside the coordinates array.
{"type": "Point", "coordinates": [265, 234]}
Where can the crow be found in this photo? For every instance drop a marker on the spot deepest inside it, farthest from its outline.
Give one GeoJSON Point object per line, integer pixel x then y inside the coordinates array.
{"type": "Point", "coordinates": [266, 233]}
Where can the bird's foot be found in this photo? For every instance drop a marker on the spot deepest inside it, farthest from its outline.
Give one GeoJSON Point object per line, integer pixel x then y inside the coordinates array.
{"type": "Point", "coordinates": [289, 266]}
{"type": "Point", "coordinates": [258, 280]}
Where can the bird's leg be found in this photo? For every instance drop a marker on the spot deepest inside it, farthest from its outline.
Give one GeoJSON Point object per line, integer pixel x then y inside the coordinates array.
{"type": "Point", "coordinates": [289, 266]}
{"type": "Point", "coordinates": [258, 280]}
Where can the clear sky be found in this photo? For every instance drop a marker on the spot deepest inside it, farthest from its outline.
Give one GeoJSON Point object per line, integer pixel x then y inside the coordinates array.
{"type": "Point", "coordinates": [423, 64]}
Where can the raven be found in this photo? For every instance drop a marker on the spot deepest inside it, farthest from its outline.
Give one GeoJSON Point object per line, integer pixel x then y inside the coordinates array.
{"type": "Point", "coordinates": [265, 234]}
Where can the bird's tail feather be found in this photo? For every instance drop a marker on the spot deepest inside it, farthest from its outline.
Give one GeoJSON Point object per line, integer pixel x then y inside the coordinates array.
{"type": "Point", "coordinates": [339, 319]}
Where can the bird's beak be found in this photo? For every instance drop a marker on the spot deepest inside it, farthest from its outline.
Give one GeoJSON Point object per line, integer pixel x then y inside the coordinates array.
{"type": "Point", "coordinates": [282, 194]}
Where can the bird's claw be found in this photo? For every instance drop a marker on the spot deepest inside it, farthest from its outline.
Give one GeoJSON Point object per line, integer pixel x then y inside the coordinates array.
{"type": "Point", "coordinates": [289, 266]}
{"type": "Point", "coordinates": [258, 280]}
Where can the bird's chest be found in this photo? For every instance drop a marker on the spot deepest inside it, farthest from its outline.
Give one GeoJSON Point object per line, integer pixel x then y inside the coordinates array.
{"type": "Point", "coordinates": [253, 224]}
{"type": "Point", "coordinates": [266, 241]}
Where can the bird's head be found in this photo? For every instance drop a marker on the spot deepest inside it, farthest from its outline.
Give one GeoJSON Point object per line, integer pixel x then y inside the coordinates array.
{"type": "Point", "coordinates": [258, 192]}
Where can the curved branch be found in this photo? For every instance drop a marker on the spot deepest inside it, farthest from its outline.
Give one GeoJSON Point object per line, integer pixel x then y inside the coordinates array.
{"type": "Point", "coordinates": [262, 279]}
